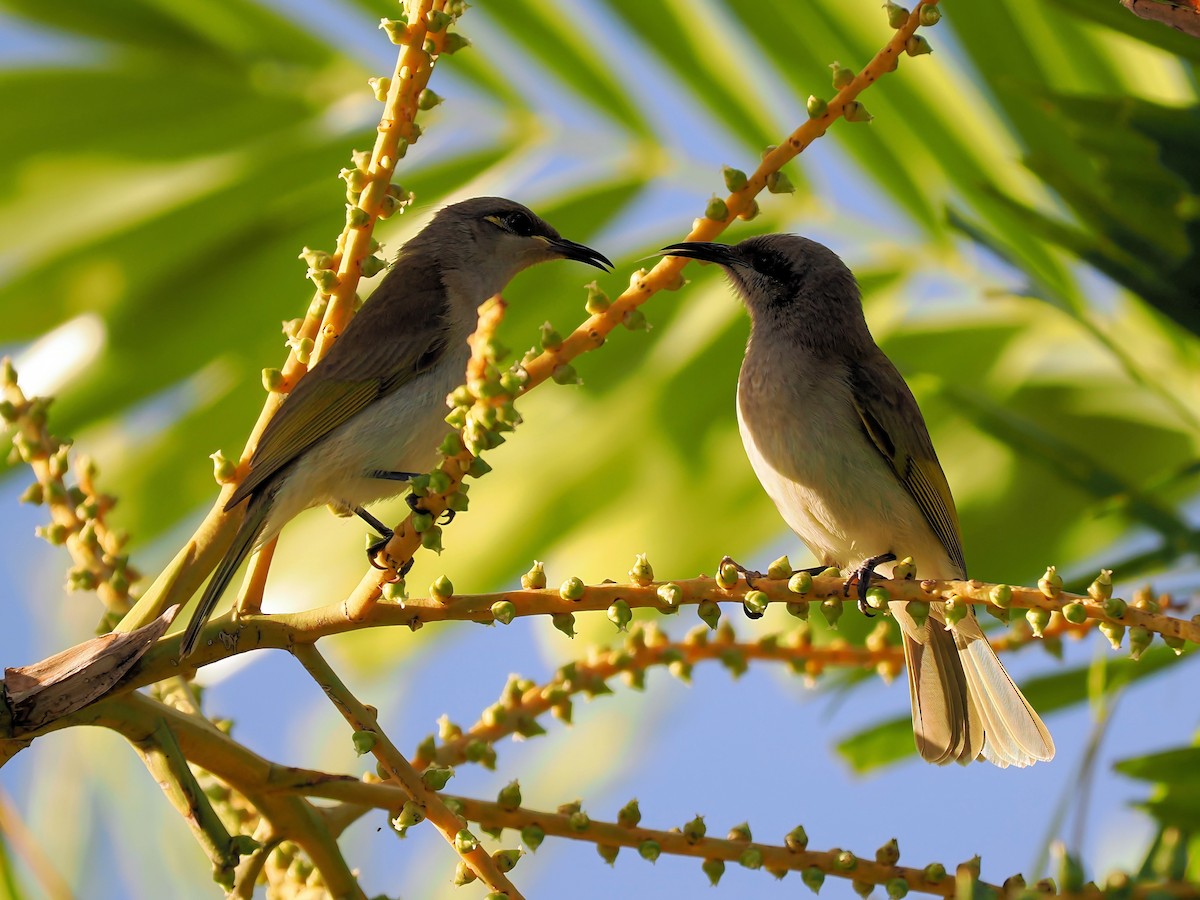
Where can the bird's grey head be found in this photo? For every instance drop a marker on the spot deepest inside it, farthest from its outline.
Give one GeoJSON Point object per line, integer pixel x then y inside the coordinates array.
{"type": "Point", "coordinates": [787, 281]}
{"type": "Point", "coordinates": [495, 238]}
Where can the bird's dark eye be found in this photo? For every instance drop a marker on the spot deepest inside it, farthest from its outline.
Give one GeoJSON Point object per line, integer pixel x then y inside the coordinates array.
{"type": "Point", "coordinates": [772, 265]}
{"type": "Point", "coordinates": [518, 223]}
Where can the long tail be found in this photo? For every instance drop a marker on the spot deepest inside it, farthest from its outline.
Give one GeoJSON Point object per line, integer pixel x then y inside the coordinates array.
{"type": "Point", "coordinates": [243, 542]}
{"type": "Point", "coordinates": [963, 702]}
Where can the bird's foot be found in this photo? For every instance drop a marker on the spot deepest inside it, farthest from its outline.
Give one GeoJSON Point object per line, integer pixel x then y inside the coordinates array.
{"type": "Point", "coordinates": [862, 577]}
{"type": "Point", "coordinates": [413, 501]}
{"type": "Point", "coordinates": [748, 574]}
{"type": "Point", "coordinates": [447, 516]}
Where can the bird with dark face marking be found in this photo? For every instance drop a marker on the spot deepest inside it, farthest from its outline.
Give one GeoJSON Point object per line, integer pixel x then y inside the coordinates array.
{"type": "Point", "coordinates": [370, 414]}
{"type": "Point", "coordinates": [838, 442]}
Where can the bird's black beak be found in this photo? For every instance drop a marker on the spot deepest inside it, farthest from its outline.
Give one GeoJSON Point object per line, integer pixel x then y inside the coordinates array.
{"type": "Point", "coordinates": [706, 251]}
{"type": "Point", "coordinates": [580, 252]}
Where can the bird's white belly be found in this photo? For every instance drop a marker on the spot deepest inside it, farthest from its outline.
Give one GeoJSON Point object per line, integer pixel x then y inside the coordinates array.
{"type": "Point", "coordinates": [835, 491]}
{"type": "Point", "coordinates": [399, 433]}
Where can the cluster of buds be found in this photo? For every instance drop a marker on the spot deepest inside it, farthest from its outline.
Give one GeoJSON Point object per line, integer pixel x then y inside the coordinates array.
{"type": "Point", "coordinates": [77, 511]}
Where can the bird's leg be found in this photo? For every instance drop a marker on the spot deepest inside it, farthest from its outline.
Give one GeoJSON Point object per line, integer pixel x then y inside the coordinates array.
{"type": "Point", "coordinates": [385, 535]}
{"type": "Point", "coordinates": [385, 475]}
{"type": "Point", "coordinates": [414, 503]}
{"type": "Point", "coordinates": [748, 574]}
{"type": "Point", "coordinates": [863, 575]}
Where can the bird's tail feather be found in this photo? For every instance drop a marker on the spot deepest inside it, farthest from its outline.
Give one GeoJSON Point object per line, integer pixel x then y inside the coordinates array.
{"type": "Point", "coordinates": [1016, 735]}
{"type": "Point", "coordinates": [243, 542]}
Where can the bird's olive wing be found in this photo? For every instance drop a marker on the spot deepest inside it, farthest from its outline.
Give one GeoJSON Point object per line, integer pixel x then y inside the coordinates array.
{"type": "Point", "coordinates": [893, 423]}
{"type": "Point", "coordinates": [385, 346]}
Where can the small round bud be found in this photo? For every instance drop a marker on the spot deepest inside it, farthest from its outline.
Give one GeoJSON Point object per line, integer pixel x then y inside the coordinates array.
{"type": "Point", "coordinates": [635, 320]}
{"type": "Point", "coordinates": [272, 379]}
{"type": "Point", "coordinates": [549, 338]}
{"type": "Point", "coordinates": [934, 872]}
{"type": "Point", "coordinates": [735, 179]}
{"type": "Point", "coordinates": [504, 611]}
{"type": "Point", "coordinates": [800, 583]}
{"type": "Point", "coordinates": [532, 836]}
{"type": "Point", "coordinates": [435, 777]}
{"type": "Point", "coordinates": [1038, 619]}
{"type": "Point", "coordinates": [442, 588]}
{"type": "Point", "coordinates": [842, 76]}
{"type": "Point", "coordinates": [35, 495]}
{"type": "Point", "coordinates": [780, 569]}
{"type": "Point", "coordinates": [1051, 583]}
{"type": "Point", "coordinates": [709, 612]}
{"type": "Point", "coordinates": [897, 16]}
{"type": "Point", "coordinates": [1115, 607]}
{"type": "Point", "coordinates": [816, 107]}
{"type": "Point", "coordinates": [510, 796]}
{"type": "Point", "coordinates": [905, 570]}
{"type": "Point", "coordinates": [918, 610]}
{"type": "Point", "coordinates": [564, 622]}
{"type": "Point", "coordinates": [799, 609]}
{"type": "Point", "coordinates": [465, 842]}
{"type": "Point", "coordinates": [727, 576]}
{"type": "Point", "coordinates": [454, 42]}
{"type": "Point", "coordinates": [750, 212]}
{"type": "Point", "coordinates": [831, 609]}
{"type": "Point", "coordinates": [739, 832]}
{"type": "Point", "coordinates": [1101, 588]}
{"type": "Point", "coordinates": [1001, 596]}
{"type": "Point", "coordinates": [813, 878]}
{"type": "Point", "coordinates": [897, 888]}
{"type": "Point", "coordinates": [629, 815]}
{"type": "Point", "coordinates": [1114, 632]}
{"type": "Point", "coordinates": [694, 830]}
{"type": "Point", "coordinates": [956, 609]}
{"type": "Point", "coordinates": [535, 578]}
{"type": "Point", "coordinates": [844, 860]}
{"type": "Point", "coordinates": [649, 850]}
{"type": "Point", "coordinates": [1075, 612]}
{"type": "Point", "coordinates": [854, 111]}
{"type": "Point", "coordinates": [564, 373]}
{"type": "Point", "coordinates": [751, 858]}
{"type": "Point", "coordinates": [878, 598]}
{"type": "Point", "coordinates": [930, 16]}
{"type": "Point", "coordinates": [670, 594]}
{"type": "Point", "coordinates": [889, 853]}
{"type": "Point", "coordinates": [410, 814]}
{"type": "Point", "coordinates": [714, 869]}
{"type": "Point", "coordinates": [779, 183]}
{"type": "Point", "coordinates": [642, 574]}
{"type": "Point", "coordinates": [427, 100]}
{"type": "Point", "coordinates": [364, 741]}
{"type": "Point", "coordinates": [597, 301]}
{"type": "Point", "coordinates": [620, 614]}
{"type": "Point", "coordinates": [716, 209]}
{"type": "Point", "coordinates": [463, 874]}
{"type": "Point", "coordinates": [1140, 639]}
{"type": "Point", "coordinates": [572, 588]}
{"type": "Point", "coordinates": [608, 852]}
{"type": "Point", "coordinates": [796, 840]}
{"type": "Point", "coordinates": [917, 46]}
{"type": "Point", "coordinates": [755, 604]}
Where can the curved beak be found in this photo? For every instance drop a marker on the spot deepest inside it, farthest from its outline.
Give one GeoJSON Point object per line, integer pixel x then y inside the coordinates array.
{"type": "Point", "coordinates": [706, 251]}
{"type": "Point", "coordinates": [580, 252]}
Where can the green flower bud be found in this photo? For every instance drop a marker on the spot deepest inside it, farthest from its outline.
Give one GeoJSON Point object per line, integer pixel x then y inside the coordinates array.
{"type": "Point", "coordinates": [796, 840]}
{"type": "Point", "coordinates": [780, 569]}
{"type": "Point", "coordinates": [465, 842]}
{"type": "Point", "coordinates": [463, 874]}
{"type": "Point", "coordinates": [830, 572]}
{"type": "Point", "coordinates": [917, 46]}
{"type": "Point", "coordinates": [956, 609]}
{"type": "Point", "coordinates": [564, 622]}
{"type": "Point", "coordinates": [1075, 612]}
{"type": "Point", "coordinates": [831, 609]}
{"type": "Point", "coordinates": [1140, 639]}
{"type": "Point", "coordinates": [1144, 600]}
{"type": "Point", "coordinates": [620, 614]}
{"type": "Point", "coordinates": [431, 539]}
{"type": "Point", "coordinates": [755, 603]}
{"type": "Point", "coordinates": [716, 209]}
{"type": "Point", "coordinates": [854, 111]}
{"type": "Point", "coordinates": [649, 850]}
{"type": "Point", "coordinates": [380, 87]}
{"type": "Point", "coordinates": [1114, 632]}
{"type": "Point", "coordinates": [862, 888]}
{"type": "Point", "coordinates": [841, 75]}
{"type": "Point", "coordinates": [451, 445]}
{"type": "Point", "coordinates": [670, 594]}
{"type": "Point", "coordinates": [454, 42]}
{"type": "Point", "coordinates": [629, 815]}
{"type": "Point", "coordinates": [578, 821]}
{"type": "Point", "coordinates": [395, 591]}
{"type": "Point", "coordinates": [934, 872]}
{"type": "Point", "coordinates": [436, 20]}
{"type": "Point", "coordinates": [1051, 583]}
{"type": "Point", "coordinates": [54, 533]}
{"type": "Point", "coordinates": [930, 16]}
{"type": "Point", "coordinates": [510, 796]}
{"type": "Point", "coordinates": [739, 832]}
{"type": "Point", "coordinates": [1038, 619]}
{"type": "Point", "coordinates": [372, 266]}
{"type": "Point", "coordinates": [709, 612]}
{"type": "Point", "coordinates": [681, 669]}
{"type": "Point", "coordinates": [635, 320]}
{"type": "Point", "coordinates": [272, 379]}
{"type": "Point", "coordinates": [597, 301]}
{"type": "Point", "coordinates": [897, 889]}
{"type": "Point", "coordinates": [435, 777]}
{"type": "Point", "coordinates": [905, 570]}
{"type": "Point", "coordinates": [608, 853]}
{"type": "Point", "coordinates": [897, 16]}
{"type": "Point", "coordinates": [1101, 588]}
{"type": "Point", "coordinates": [503, 611]}
{"type": "Point", "coordinates": [572, 588]}
{"type": "Point", "coordinates": [35, 495]}
{"type": "Point", "coordinates": [735, 179]}
{"type": "Point", "coordinates": [397, 29]}
{"type": "Point", "coordinates": [816, 107]}
{"type": "Point", "coordinates": [535, 578]}
{"type": "Point", "coordinates": [549, 338]}
{"type": "Point", "coordinates": [642, 574]}
{"type": "Point", "coordinates": [727, 576]}
{"type": "Point", "coordinates": [878, 598]}
{"type": "Point", "coordinates": [694, 830]}
{"type": "Point", "coordinates": [844, 860]}
{"type": "Point", "coordinates": [1174, 642]}
{"type": "Point", "coordinates": [751, 858]}
{"type": "Point", "coordinates": [779, 183]}
{"type": "Point", "coordinates": [714, 869]}
{"type": "Point", "coordinates": [800, 583]}
{"type": "Point", "coordinates": [1001, 596]}
{"type": "Point", "coordinates": [750, 212]}
{"type": "Point", "coordinates": [441, 589]}
{"type": "Point", "coordinates": [918, 610]}
{"type": "Point", "coordinates": [1115, 607]}
{"type": "Point", "coordinates": [422, 522]}
{"type": "Point", "coordinates": [564, 373]}
{"type": "Point", "coordinates": [427, 99]}
{"type": "Point", "coordinates": [799, 609]}
{"type": "Point", "coordinates": [410, 814]}
{"type": "Point", "coordinates": [813, 878]}
{"type": "Point", "coordinates": [364, 741]}
{"type": "Point", "coordinates": [532, 836]}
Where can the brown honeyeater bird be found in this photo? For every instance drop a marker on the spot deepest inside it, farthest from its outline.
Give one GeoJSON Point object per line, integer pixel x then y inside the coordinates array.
{"type": "Point", "coordinates": [837, 440]}
{"type": "Point", "coordinates": [369, 416]}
